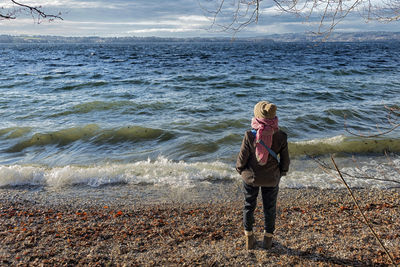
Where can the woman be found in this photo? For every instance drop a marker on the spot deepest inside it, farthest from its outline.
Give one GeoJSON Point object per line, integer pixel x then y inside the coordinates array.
{"type": "Point", "coordinates": [259, 166]}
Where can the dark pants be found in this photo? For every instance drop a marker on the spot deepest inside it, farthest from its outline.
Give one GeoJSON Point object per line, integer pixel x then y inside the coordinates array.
{"type": "Point", "coordinates": [269, 197]}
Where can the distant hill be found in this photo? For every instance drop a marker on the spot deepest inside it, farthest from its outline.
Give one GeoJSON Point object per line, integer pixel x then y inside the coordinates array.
{"type": "Point", "coordinates": [338, 37]}
{"type": "Point", "coordinates": [289, 37]}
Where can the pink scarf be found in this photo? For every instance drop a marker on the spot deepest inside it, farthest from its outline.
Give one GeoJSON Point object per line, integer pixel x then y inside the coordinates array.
{"type": "Point", "coordinates": [265, 129]}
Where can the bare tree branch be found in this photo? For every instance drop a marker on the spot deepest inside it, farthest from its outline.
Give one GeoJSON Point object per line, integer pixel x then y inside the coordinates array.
{"type": "Point", "coordinates": [231, 15]}
{"type": "Point", "coordinates": [9, 15]}
{"type": "Point", "coordinates": [326, 13]}
{"type": "Point", "coordinates": [36, 12]}
{"type": "Point", "coordinates": [392, 119]}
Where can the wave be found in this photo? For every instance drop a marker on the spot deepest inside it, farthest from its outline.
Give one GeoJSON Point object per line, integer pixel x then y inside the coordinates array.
{"type": "Point", "coordinates": [263, 78]}
{"type": "Point", "coordinates": [198, 78]}
{"type": "Point", "coordinates": [12, 85]}
{"type": "Point", "coordinates": [112, 105]}
{"type": "Point", "coordinates": [346, 145]}
{"type": "Point", "coordinates": [59, 75]}
{"type": "Point", "coordinates": [94, 134]}
{"type": "Point", "coordinates": [93, 106]}
{"type": "Point", "coordinates": [225, 147]}
{"type": "Point", "coordinates": [133, 82]}
{"type": "Point", "coordinates": [159, 172]}
{"type": "Point", "coordinates": [14, 132]}
{"type": "Point", "coordinates": [82, 85]}
{"type": "Point", "coordinates": [213, 127]}
{"type": "Point", "coordinates": [181, 174]}
{"type": "Point", "coordinates": [349, 72]}
{"type": "Point", "coordinates": [341, 145]}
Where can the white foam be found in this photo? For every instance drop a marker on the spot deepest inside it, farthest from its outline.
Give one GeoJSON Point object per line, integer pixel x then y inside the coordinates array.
{"type": "Point", "coordinates": [329, 140]}
{"type": "Point", "coordinates": [21, 175]}
{"type": "Point", "coordinates": [162, 171]}
{"type": "Point", "coordinates": [364, 173]}
{"type": "Point", "coordinates": [159, 172]}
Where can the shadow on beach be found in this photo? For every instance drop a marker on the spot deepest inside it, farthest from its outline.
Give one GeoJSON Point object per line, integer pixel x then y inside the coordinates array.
{"type": "Point", "coordinates": [311, 255]}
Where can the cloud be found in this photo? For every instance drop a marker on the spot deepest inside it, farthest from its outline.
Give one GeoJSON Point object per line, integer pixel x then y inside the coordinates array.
{"type": "Point", "coordinates": [160, 30]}
{"type": "Point", "coordinates": [193, 18]}
{"type": "Point", "coordinates": [70, 4]}
{"type": "Point", "coordinates": [161, 18]}
{"type": "Point", "coordinates": [271, 11]}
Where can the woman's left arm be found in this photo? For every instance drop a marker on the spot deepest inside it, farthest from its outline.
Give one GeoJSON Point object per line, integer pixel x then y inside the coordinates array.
{"type": "Point", "coordinates": [284, 157]}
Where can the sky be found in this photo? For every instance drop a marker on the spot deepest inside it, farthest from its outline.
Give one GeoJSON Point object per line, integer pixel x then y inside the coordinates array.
{"type": "Point", "coordinates": [164, 18]}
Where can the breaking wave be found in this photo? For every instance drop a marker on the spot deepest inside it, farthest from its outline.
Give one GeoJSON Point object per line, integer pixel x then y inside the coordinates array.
{"type": "Point", "coordinates": [159, 172]}
{"type": "Point", "coordinates": [165, 172]}
{"type": "Point", "coordinates": [343, 144]}
{"type": "Point", "coordinates": [94, 134]}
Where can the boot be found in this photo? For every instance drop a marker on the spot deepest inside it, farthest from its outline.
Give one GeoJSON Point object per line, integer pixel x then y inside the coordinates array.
{"type": "Point", "coordinates": [250, 240]}
{"type": "Point", "coordinates": [267, 241]}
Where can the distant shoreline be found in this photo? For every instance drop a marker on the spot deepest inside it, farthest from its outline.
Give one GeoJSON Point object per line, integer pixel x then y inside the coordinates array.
{"type": "Point", "coordinates": [288, 37]}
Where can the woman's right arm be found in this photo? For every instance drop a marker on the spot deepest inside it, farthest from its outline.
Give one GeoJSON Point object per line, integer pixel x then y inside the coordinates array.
{"type": "Point", "coordinates": [243, 156]}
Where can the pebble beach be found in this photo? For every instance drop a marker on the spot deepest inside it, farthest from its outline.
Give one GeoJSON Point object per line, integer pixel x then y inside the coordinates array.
{"type": "Point", "coordinates": [315, 227]}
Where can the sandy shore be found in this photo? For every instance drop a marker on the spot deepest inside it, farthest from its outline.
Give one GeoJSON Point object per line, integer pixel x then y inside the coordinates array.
{"type": "Point", "coordinates": [314, 227]}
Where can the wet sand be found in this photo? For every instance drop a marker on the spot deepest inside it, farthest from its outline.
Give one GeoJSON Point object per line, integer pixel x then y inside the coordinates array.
{"type": "Point", "coordinates": [314, 227]}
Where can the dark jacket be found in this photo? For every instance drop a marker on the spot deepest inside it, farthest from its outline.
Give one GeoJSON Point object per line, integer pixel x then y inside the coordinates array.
{"type": "Point", "coordinates": [270, 174]}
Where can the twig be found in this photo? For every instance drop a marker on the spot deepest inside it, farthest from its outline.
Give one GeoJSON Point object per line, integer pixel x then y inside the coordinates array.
{"type": "Point", "coordinates": [36, 11]}
{"type": "Point", "coordinates": [359, 209]}
{"type": "Point", "coordinates": [394, 124]}
{"type": "Point", "coordinates": [242, 15]}
{"type": "Point", "coordinates": [372, 135]}
{"type": "Point", "coordinates": [8, 16]}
